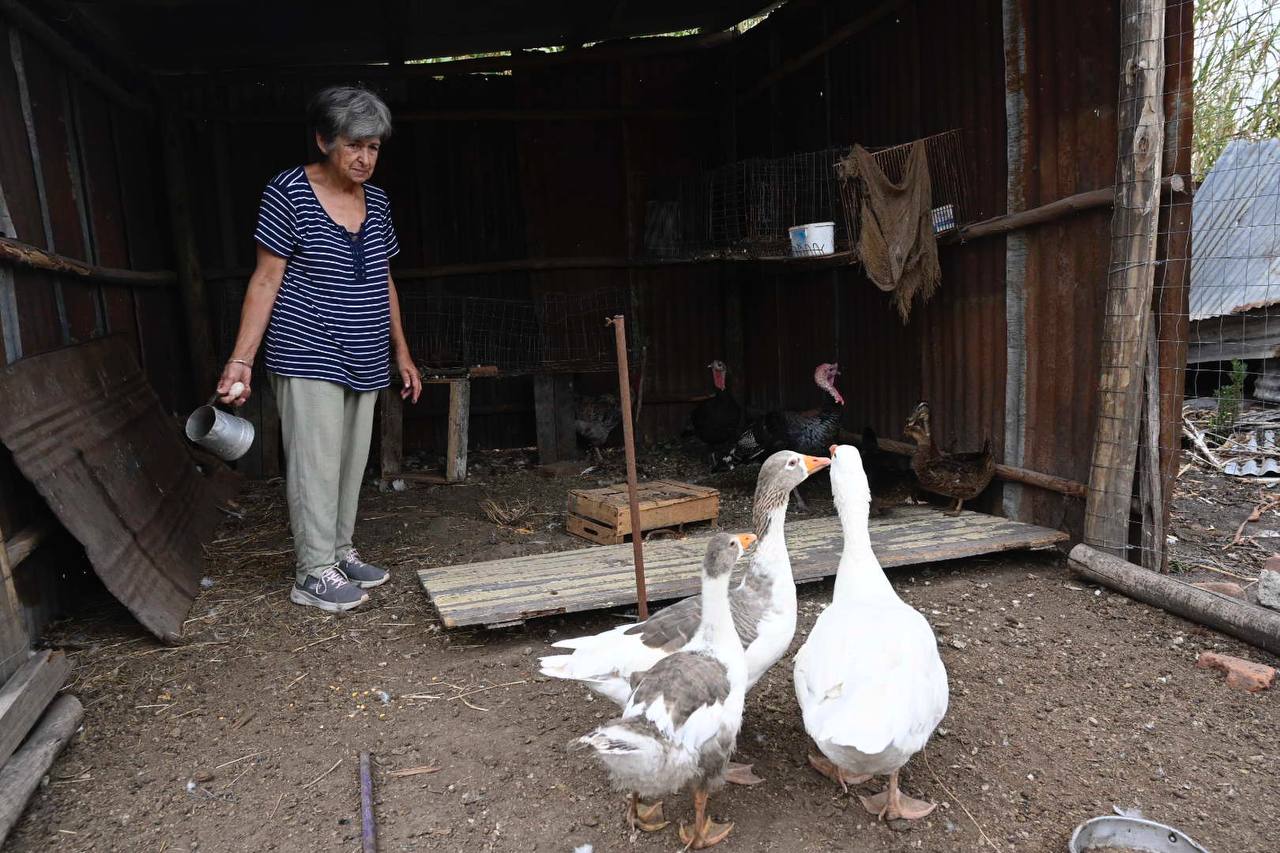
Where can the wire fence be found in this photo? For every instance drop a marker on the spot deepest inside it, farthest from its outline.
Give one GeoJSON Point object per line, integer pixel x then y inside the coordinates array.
{"type": "Point", "coordinates": [1189, 409]}
{"type": "Point", "coordinates": [552, 332]}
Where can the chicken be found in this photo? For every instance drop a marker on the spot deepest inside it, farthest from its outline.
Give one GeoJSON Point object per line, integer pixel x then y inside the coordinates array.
{"type": "Point", "coordinates": [595, 417]}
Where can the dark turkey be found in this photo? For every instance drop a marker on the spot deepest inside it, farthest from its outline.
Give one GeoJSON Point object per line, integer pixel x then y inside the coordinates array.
{"type": "Point", "coordinates": [811, 432]}
{"type": "Point", "coordinates": [717, 421]}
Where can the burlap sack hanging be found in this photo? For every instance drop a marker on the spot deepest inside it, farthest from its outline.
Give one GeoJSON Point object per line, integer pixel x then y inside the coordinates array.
{"type": "Point", "coordinates": [897, 246]}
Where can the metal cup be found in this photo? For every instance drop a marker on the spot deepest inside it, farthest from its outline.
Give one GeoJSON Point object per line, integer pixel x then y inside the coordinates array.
{"type": "Point", "coordinates": [223, 434]}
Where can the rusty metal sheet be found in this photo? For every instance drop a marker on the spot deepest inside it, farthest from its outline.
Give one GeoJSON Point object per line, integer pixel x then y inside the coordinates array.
{"type": "Point", "coordinates": [88, 431]}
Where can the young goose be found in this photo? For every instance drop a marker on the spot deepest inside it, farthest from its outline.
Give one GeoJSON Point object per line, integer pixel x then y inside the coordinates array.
{"type": "Point", "coordinates": [763, 605]}
{"type": "Point", "coordinates": [682, 718]}
{"type": "Point", "coordinates": [869, 680]}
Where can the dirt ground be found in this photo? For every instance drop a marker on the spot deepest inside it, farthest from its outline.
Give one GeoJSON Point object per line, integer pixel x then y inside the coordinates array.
{"type": "Point", "coordinates": [1066, 700]}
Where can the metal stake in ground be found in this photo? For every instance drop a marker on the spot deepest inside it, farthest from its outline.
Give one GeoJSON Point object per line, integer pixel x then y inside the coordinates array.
{"type": "Point", "coordinates": [619, 324]}
{"type": "Point", "coordinates": [368, 836]}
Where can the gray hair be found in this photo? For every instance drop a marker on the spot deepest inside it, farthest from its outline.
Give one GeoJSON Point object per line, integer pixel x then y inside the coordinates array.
{"type": "Point", "coordinates": [349, 111]}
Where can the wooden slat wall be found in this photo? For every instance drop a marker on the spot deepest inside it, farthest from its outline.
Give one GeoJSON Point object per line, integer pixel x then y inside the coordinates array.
{"type": "Point", "coordinates": [79, 176]}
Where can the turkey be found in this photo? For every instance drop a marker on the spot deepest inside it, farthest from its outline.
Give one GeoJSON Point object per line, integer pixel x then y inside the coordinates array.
{"type": "Point", "coordinates": [717, 421]}
{"type": "Point", "coordinates": [809, 432]}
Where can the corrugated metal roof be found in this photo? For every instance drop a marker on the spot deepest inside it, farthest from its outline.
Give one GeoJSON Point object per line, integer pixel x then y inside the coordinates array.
{"type": "Point", "coordinates": [1235, 242]}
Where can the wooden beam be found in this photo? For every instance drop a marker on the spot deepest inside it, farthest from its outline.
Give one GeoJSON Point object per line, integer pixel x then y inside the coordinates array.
{"type": "Point", "coordinates": [494, 115]}
{"type": "Point", "coordinates": [518, 60]}
{"type": "Point", "coordinates": [20, 777]}
{"type": "Point", "coordinates": [1249, 622]}
{"type": "Point", "coordinates": [26, 694]}
{"type": "Point", "coordinates": [1061, 485]}
{"type": "Point", "coordinates": [23, 254]}
{"type": "Point", "coordinates": [1131, 280]}
{"type": "Point", "coordinates": [837, 38]}
{"type": "Point", "coordinates": [187, 257]}
{"type": "Point", "coordinates": [28, 539]}
{"type": "Point", "coordinates": [72, 57]}
{"type": "Point", "coordinates": [455, 461]}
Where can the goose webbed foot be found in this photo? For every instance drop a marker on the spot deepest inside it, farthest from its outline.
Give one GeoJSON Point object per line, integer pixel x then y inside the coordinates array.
{"type": "Point", "coordinates": [835, 774]}
{"type": "Point", "coordinates": [892, 804]}
{"type": "Point", "coordinates": [646, 817]}
{"type": "Point", "coordinates": [705, 832]}
{"type": "Point", "coordinates": [741, 774]}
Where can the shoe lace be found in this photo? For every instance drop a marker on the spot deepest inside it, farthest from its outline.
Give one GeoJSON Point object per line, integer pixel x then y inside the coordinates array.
{"type": "Point", "coordinates": [332, 578]}
{"type": "Point", "coordinates": [353, 556]}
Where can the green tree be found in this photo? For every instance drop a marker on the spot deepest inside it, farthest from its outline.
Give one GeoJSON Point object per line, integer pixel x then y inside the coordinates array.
{"type": "Point", "coordinates": [1237, 76]}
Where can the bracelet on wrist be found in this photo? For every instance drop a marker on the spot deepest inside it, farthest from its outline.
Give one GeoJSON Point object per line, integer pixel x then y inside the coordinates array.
{"type": "Point", "coordinates": [248, 364]}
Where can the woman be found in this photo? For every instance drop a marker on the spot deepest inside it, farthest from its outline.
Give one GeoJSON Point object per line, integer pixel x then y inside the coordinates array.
{"type": "Point", "coordinates": [323, 295]}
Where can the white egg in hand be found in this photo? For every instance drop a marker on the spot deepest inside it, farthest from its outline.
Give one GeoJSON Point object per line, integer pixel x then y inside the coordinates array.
{"type": "Point", "coordinates": [237, 388]}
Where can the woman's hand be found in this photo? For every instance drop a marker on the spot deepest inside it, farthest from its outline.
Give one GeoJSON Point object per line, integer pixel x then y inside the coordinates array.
{"type": "Point", "coordinates": [409, 375]}
{"type": "Point", "coordinates": [234, 373]}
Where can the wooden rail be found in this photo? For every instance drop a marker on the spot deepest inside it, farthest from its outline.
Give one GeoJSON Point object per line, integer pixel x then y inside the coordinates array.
{"type": "Point", "coordinates": [21, 254]}
{"type": "Point", "coordinates": [1061, 485]}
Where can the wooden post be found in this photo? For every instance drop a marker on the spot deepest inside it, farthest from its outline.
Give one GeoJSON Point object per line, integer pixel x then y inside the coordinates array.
{"type": "Point", "coordinates": [455, 463]}
{"type": "Point", "coordinates": [391, 437]}
{"type": "Point", "coordinates": [1130, 281]}
{"type": "Point", "coordinates": [187, 260]}
{"type": "Point", "coordinates": [1249, 622]}
{"type": "Point", "coordinates": [553, 410]}
{"type": "Point", "coordinates": [628, 443]}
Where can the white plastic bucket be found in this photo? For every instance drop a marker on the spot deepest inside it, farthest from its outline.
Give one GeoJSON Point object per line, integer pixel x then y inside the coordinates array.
{"type": "Point", "coordinates": [815, 238]}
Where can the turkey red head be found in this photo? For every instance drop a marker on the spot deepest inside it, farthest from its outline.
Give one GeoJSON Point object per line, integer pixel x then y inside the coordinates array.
{"type": "Point", "coordinates": [718, 371]}
{"type": "Point", "coordinates": [824, 376]}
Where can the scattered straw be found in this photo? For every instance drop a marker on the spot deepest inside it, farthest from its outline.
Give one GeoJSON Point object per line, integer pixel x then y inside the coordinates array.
{"type": "Point", "coordinates": [413, 771]}
{"type": "Point", "coordinates": [505, 514]}
{"type": "Point", "coordinates": [238, 760]}
{"type": "Point", "coordinates": [956, 800]}
{"type": "Point", "coordinates": [324, 774]}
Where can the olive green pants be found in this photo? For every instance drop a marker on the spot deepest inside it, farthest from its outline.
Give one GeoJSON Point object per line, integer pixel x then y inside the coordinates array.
{"type": "Point", "coordinates": [326, 429]}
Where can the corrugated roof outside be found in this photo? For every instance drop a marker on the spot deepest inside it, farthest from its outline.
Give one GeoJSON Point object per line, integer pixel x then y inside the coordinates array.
{"type": "Point", "coordinates": [1235, 220]}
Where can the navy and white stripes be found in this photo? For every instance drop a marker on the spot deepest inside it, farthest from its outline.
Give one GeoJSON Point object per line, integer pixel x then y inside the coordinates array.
{"type": "Point", "coordinates": [332, 315]}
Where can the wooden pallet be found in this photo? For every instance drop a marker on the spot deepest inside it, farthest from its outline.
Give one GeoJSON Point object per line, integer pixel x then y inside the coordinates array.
{"type": "Point", "coordinates": [603, 516]}
{"type": "Point", "coordinates": [506, 592]}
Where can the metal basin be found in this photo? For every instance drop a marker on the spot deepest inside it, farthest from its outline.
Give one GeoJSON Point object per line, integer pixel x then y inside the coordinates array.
{"type": "Point", "coordinates": [1130, 832]}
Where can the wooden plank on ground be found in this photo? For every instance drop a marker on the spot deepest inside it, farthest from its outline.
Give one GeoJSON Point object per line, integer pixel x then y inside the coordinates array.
{"type": "Point", "coordinates": [26, 694]}
{"type": "Point", "coordinates": [21, 775]}
{"type": "Point", "coordinates": [506, 591]}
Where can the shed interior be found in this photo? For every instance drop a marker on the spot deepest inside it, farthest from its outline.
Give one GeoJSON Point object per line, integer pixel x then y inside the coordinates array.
{"type": "Point", "coordinates": [533, 145]}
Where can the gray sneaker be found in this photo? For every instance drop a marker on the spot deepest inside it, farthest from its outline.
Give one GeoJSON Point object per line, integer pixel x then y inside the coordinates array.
{"type": "Point", "coordinates": [362, 574]}
{"type": "Point", "coordinates": [330, 591]}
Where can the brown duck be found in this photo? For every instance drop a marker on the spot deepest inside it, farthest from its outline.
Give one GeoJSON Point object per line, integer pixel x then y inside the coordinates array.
{"type": "Point", "coordinates": [960, 476]}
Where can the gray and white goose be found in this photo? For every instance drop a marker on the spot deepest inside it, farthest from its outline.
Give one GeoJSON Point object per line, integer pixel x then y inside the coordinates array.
{"type": "Point", "coordinates": [763, 606]}
{"type": "Point", "coordinates": [681, 720]}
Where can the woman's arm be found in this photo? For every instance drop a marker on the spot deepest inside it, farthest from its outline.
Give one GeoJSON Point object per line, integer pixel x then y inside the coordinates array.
{"type": "Point", "coordinates": [404, 361]}
{"type": "Point", "coordinates": [259, 299]}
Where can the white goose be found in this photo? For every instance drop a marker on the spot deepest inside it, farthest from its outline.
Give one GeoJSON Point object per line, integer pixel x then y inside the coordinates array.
{"type": "Point", "coordinates": [763, 605]}
{"type": "Point", "coordinates": [869, 680]}
{"type": "Point", "coordinates": [682, 718]}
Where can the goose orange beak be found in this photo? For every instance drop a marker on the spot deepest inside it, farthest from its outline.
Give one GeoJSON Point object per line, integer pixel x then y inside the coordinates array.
{"type": "Point", "coordinates": [746, 540]}
{"type": "Point", "coordinates": [816, 463]}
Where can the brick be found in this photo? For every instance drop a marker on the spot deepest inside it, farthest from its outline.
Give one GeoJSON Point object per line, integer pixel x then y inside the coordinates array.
{"type": "Point", "coordinates": [1242, 674]}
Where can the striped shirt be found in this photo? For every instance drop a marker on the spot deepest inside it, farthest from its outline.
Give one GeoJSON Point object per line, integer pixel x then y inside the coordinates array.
{"type": "Point", "coordinates": [332, 315]}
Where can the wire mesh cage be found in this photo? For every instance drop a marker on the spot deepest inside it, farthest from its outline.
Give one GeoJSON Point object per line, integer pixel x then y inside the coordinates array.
{"type": "Point", "coordinates": [551, 332]}
{"type": "Point", "coordinates": [745, 209]}
{"type": "Point", "coordinates": [950, 180]}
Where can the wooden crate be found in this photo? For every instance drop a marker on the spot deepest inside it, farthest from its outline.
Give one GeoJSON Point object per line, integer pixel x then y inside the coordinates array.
{"type": "Point", "coordinates": [603, 515]}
